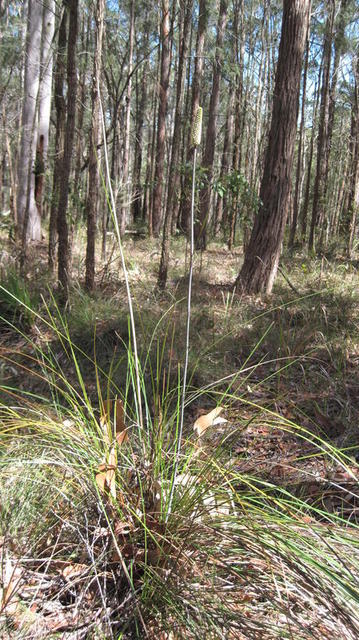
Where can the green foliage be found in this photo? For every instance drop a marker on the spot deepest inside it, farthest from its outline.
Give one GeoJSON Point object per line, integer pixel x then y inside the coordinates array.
{"type": "Point", "coordinates": [235, 184]}
{"type": "Point", "coordinates": [16, 302]}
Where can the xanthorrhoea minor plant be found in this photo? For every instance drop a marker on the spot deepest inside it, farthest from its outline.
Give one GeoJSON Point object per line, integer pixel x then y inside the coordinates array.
{"type": "Point", "coordinates": [119, 521]}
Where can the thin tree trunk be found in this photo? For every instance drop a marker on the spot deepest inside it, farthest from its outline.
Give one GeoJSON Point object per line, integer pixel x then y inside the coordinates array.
{"type": "Point", "coordinates": [239, 117]}
{"type": "Point", "coordinates": [200, 228]}
{"type": "Point", "coordinates": [126, 156]}
{"type": "Point", "coordinates": [138, 153]}
{"type": "Point", "coordinates": [94, 173]}
{"type": "Point", "coordinates": [86, 33]}
{"type": "Point", "coordinates": [60, 107]}
{"type": "Point", "coordinates": [161, 123]}
{"type": "Point", "coordinates": [12, 194]}
{"type": "Point", "coordinates": [255, 143]}
{"type": "Point", "coordinates": [298, 176]}
{"type": "Point", "coordinates": [226, 161]}
{"type": "Point", "coordinates": [174, 174]}
{"type": "Point", "coordinates": [29, 221]}
{"type": "Point", "coordinates": [305, 207]}
{"type": "Point", "coordinates": [150, 169]}
{"type": "Point", "coordinates": [322, 144]}
{"type": "Point", "coordinates": [48, 29]}
{"type": "Point", "coordinates": [62, 227]}
{"type": "Point", "coordinates": [353, 201]}
{"type": "Point", "coordinates": [203, 11]}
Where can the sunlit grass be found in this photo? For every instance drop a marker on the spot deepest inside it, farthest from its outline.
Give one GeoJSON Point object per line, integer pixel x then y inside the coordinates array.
{"type": "Point", "coordinates": [241, 555]}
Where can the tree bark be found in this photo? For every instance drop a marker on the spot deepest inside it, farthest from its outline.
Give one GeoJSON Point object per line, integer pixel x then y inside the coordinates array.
{"type": "Point", "coordinates": [203, 12]}
{"type": "Point", "coordinates": [62, 226]}
{"type": "Point", "coordinates": [29, 221]}
{"type": "Point", "coordinates": [138, 152]}
{"type": "Point", "coordinates": [60, 107]}
{"type": "Point", "coordinates": [298, 176]}
{"type": "Point", "coordinates": [323, 140]}
{"type": "Point", "coordinates": [126, 205]}
{"type": "Point", "coordinates": [262, 255]}
{"type": "Point", "coordinates": [161, 123]}
{"type": "Point", "coordinates": [174, 173]}
{"type": "Point", "coordinates": [226, 161]}
{"type": "Point", "coordinates": [353, 201]}
{"type": "Point", "coordinates": [305, 207]}
{"type": "Point", "coordinates": [48, 29]}
{"type": "Point", "coordinates": [200, 228]}
{"type": "Point", "coordinates": [94, 173]}
{"type": "Point", "coordinates": [239, 116]}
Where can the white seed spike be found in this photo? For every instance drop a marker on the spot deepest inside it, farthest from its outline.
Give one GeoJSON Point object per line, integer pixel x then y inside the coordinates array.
{"type": "Point", "coordinates": [197, 128]}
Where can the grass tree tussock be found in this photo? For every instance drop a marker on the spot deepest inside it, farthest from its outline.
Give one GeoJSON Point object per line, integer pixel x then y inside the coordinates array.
{"type": "Point", "coordinates": [260, 537]}
{"type": "Point", "coordinates": [118, 519]}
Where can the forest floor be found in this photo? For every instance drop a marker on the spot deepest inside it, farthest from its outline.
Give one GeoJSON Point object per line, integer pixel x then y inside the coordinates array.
{"type": "Point", "coordinates": [291, 357]}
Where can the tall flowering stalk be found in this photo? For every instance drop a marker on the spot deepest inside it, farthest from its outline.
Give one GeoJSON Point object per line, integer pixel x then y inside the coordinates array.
{"type": "Point", "coordinates": [195, 141]}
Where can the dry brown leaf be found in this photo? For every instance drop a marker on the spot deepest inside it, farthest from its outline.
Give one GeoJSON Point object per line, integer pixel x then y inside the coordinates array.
{"type": "Point", "coordinates": [73, 570]}
{"type": "Point", "coordinates": [106, 471]}
{"type": "Point", "coordinates": [123, 528]}
{"type": "Point", "coordinates": [106, 482]}
{"type": "Point", "coordinates": [120, 427]}
{"type": "Point", "coordinates": [119, 416]}
{"type": "Point", "coordinates": [105, 476]}
{"type": "Point", "coordinates": [203, 422]}
{"type": "Point", "coordinates": [114, 408]}
{"type": "Point", "coordinates": [11, 577]}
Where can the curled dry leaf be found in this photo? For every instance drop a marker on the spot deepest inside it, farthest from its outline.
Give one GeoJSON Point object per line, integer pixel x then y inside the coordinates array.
{"type": "Point", "coordinates": [105, 476]}
{"type": "Point", "coordinates": [11, 578]}
{"type": "Point", "coordinates": [123, 528]}
{"type": "Point", "coordinates": [73, 570]}
{"type": "Point", "coordinates": [203, 422]}
{"type": "Point", "coordinates": [114, 408]}
{"type": "Point", "coordinates": [119, 422]}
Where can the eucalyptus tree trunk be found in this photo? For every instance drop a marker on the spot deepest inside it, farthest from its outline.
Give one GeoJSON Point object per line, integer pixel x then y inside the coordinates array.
{"type": "Point", "coordinates": [323, 139]}
{"type": "Point", "coordinates": [62, 226]}
{"type": "Point", "coordinates": [48, 29]}
{"type": "Point", "coordinates": [353, 201]}
{"type": "Point", "coordinates": [226, 161]}
{"type": "Point", "coordinates": [239, 49]}
{"type": "Point", "coordinates": [10, 164]}
{"type": "Point", "coordinates": [161, 122]}
{"type": "Point", "coordinates": [125, 208]}
{"type": "Point", "coordinates": [305, 206]}
{"type": "Point", "coordinates": [60, 108]}
{"type": "Point", "coordinates": [339, 42]}
{"type": "Point", "coordinates": [151, 150]}
{"type": "Point", "coordinates": [200, 228]}
{"type": "Point", "coordinates": [28, 217]}
{"type": "Point", "coordinates": [174, 173]}
{"type": "Point", "coordinates": [94, 173]}
{"type": "Point", "coordinates": [203, 11]}
{"type": "Point", "coordinates": [255, 143]}
{"type": "Point", "coordinates": [239, 114]}
{"type": "Point", "coordinates": [262, 255]}
{"type": "Point", "coordinates": [298, 176]}
{"type": "Point", "coordinates": [85, 43]}
{"type": "Point", "coordinates": [138, 151]}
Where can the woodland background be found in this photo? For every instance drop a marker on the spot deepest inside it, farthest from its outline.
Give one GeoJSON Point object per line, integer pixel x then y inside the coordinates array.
{"type": "Point", "coordinates": [139, 499]}
{"type": "Point", "coordinates": [147, 68]}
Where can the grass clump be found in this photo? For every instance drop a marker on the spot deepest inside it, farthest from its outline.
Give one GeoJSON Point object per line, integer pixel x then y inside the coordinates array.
{"type": "Point", "coordinates": [91, 546]}
{"type": "Point", "coordinates": [16, 302]}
